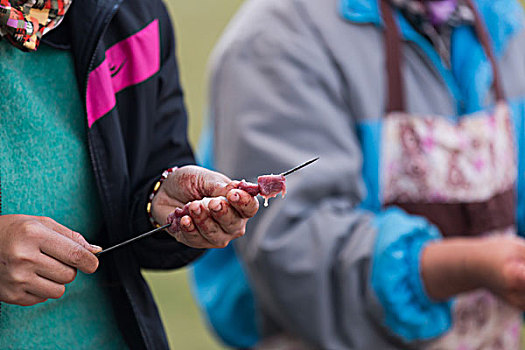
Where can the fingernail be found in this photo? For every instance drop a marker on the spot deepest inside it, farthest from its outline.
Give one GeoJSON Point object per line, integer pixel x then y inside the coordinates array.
{"type": "Point", "coordinates": [186, 222]}
{"type": "Point", "coordinates": [197, 211]}
{"type": "Point", "coordinates": [215, 206]}
{"type": "Point", "coordinates": [96, 248]}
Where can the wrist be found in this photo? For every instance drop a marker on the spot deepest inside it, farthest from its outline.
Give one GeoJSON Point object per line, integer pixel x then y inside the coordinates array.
{"type": "Point", "coordinates": [154, 193]}
{"type": "Point", "coordinates": [475, 264]}
{"type": "Point", "coordinates": [452, 266]}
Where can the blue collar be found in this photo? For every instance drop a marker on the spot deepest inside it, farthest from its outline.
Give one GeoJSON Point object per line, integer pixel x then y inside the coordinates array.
{"type": "Point", "coordinates": [503, 18]}
{"type": "Point", "coordinates": [470, 78]}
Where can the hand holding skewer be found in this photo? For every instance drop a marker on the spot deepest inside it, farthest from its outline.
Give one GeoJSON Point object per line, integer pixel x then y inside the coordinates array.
{"type": "Point", "coordinates": [216, 209]}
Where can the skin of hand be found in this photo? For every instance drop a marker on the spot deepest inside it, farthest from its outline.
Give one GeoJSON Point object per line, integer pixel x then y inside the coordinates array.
{"type": "Point", "coordinates": [207, 226]}
{"type": "Point", "coordinates": [453, 266]}
{"type": "Point", "coordinates": [38, 257]}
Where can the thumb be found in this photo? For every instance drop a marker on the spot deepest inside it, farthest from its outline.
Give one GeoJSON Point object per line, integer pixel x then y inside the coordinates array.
{"type": "Point", "coordinates": [214, 184]}
{"type": "Point", "coordinates": [73, 235]}
{"type": "Point", "coordinates": [516, 275]}
{"type": "Point", "coordinates": [94, 248]}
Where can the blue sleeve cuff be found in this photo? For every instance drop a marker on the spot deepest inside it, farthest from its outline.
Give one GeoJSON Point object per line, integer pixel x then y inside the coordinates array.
{"type": "Point", "coordinates": [396, 277]}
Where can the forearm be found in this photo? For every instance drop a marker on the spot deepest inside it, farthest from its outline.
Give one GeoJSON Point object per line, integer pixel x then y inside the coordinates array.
{"type": "Point", "coordinates": [451, 266]}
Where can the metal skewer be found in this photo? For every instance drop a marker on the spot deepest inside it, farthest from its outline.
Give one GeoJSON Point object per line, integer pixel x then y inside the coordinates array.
{"type": "Point", "coordinates": [132, 240]}
{"type": "Point", "coordinates": [144, 235]}
{"type": "Point", "coordinates": [293, 170]}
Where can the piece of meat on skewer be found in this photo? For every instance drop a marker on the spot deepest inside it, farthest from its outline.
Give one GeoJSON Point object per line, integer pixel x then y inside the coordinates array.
{"type": "Point", "coordinates": [271, 185]}
{"type": "Point", "coordinates": [268, 186]}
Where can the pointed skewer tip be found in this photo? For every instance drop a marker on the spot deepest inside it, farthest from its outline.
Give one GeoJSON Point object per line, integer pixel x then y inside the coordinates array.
{"type": "Point", "coordinates": [293, 170]}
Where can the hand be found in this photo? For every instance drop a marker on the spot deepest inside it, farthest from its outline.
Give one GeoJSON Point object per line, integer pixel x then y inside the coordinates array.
{"type": "Point", "coordinates": [502, 268]}
{"type": "Point", "coordinates": [38, 257]}
{"type": "Point", "coordinates": [210, 224]}
{"type": "Point", "coordinates": [457, 265]}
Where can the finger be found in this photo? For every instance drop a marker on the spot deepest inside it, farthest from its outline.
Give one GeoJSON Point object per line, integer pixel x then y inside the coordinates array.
{"type": "Point", "coordinates": [213, 183]}
{"type": "Point", "coordinates": [209, 229]}
{"type": "Point", "coordinates": [193, 182]}
{"type": "Point", "coordinates": [243, 203]}
{"type": "Point", "coordinates": [45, 289]}
{"type": "Point", "coordinates": [186, 224]}
{"type": "Point", "coordinates": [187, 234]}
{"type": "Point", "coordinates": [54, 270]}
{"type": "Point", "coordinates": [516, 272]}
{"type": "Point", "coordinates": [227, 217]}
{"type": "Point", "coordinates": [184, 230]}
{"type": "Point", "coordinates": [232, 185]}
{"type": "Point", "coordinates": [73, 235]}
{"type": "Point", "coordinates": [175, 218]}
{"type": "Point", "coordinates": [69, 252]}
{"type": "Point", "coordinates": [29, 299]}
{"type": "Point", "coordinates": [520, 243]}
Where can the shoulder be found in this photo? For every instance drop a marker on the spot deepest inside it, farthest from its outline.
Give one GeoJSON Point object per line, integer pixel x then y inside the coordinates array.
{"type": "Point", "coordinates": [134, 15]}
{"type": "Point", "coordinates": [266, 28]}
{"type": "Point", "coordinates": [300, 30]}
{"type": "Point", "coordinates": [137, 7]}
{"type": "Point", "coordinates": [148, 21]}
{"type": "Point", "coordinates": [504, 20]}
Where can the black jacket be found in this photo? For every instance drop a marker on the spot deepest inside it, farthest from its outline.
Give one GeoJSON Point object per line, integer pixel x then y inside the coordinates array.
{"type": "Point", "coordinates": [124, 53]}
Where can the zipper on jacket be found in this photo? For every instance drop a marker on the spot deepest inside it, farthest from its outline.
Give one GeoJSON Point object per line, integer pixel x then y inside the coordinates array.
{"type": "Point", "coordinates": [96, 168]}
{"type": "Point", "coordinates": [94, 163]}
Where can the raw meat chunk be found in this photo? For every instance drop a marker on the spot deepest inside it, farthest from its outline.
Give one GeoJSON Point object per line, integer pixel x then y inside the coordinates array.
{"type": "Point", "coordinates": [271, 185]}
{"type": "Point", "coordinates": [251, 188]}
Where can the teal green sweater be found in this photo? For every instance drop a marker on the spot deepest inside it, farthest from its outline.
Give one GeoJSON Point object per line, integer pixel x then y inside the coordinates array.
{"type": "Point", "coordinates": [45, 170]}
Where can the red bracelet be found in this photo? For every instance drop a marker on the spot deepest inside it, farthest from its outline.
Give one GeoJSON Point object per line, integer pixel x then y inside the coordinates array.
{"type": "Point", "coordinates": [156, 188]}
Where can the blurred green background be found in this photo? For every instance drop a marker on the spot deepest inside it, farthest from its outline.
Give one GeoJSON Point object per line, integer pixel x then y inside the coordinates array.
{"type": "Point", "coordinates": [198, 25]}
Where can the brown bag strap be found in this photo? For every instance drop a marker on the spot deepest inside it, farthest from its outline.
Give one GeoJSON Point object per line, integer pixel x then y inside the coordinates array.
{"type": "Point", "coordinates": [394, 66]}
{"type": "Point", "coordinates": [484, 38]}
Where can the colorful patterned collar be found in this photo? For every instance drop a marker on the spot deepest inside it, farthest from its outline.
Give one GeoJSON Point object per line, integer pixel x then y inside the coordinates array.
{"type": "Point", "coordinates": [24, 22]}
{"type": "Point", "coordinates": [436, 12]}
{"type": "Point", "coordinates": [435, 20]}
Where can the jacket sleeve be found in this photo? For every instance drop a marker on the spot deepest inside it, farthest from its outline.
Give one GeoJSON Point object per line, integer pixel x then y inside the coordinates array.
{"type": "Point", "coordinates": [322, 267]}
{"type": "Point", "coordinates": [169, 148]}
{"type": "Point", "coordinates": [515, 57]}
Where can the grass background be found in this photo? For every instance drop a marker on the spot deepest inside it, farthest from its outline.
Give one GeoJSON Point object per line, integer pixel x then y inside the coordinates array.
{"type": "Point", "coordinates": [198, 25]}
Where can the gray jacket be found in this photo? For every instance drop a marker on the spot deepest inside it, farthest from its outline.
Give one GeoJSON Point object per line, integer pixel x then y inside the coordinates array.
{"type": "Point", "coordinates": [290, 80]}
